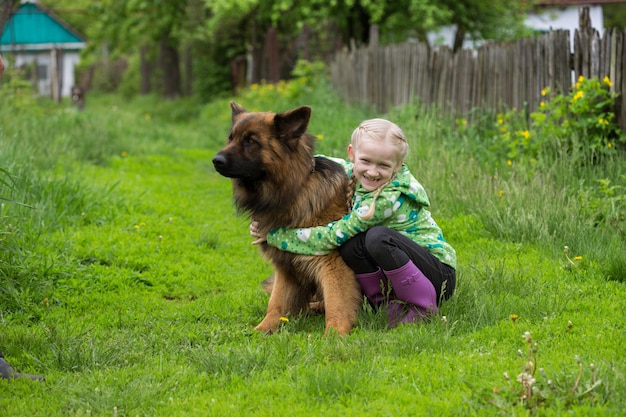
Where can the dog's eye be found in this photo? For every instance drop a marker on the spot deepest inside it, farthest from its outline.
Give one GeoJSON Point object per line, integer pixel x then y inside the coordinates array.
{"type": "Point", "coordinates": [230, 138]}
{"type": "Point", "coordinates": [249, 141]}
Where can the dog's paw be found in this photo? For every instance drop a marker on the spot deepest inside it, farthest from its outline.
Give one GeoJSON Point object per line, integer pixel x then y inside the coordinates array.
{"type": "Point", "coordinates": [265, 328]}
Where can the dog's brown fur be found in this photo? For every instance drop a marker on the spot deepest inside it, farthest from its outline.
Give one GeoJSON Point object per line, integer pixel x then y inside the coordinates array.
{"type": "Point", "coordinates": [278, 182]}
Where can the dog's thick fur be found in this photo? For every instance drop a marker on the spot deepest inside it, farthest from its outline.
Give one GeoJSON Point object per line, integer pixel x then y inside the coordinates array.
{"type": "Point", "coordinates": [279, 183]}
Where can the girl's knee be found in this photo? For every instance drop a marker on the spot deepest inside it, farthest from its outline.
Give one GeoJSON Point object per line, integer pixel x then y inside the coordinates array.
{"type": "Point", "coordinates": [375, 235]}
{"type": "Point", "coordinates": [376, 239]}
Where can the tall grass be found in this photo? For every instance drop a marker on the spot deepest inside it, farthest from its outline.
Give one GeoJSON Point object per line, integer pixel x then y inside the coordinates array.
{"type": "Point", "coordinates": [127, 278]}
{"type": "Point", "coordinates": [552, 204]}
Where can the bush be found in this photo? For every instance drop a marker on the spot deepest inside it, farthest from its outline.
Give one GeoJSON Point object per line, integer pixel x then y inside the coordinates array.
{"type": "Point", "coordinates": [580, 124]}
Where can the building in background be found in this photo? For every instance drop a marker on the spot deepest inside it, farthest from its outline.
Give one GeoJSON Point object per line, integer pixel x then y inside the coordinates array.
{"type": "Point", "coordinates": [42, 44]}
{"type": "Point", "coordinates": [546, 15]}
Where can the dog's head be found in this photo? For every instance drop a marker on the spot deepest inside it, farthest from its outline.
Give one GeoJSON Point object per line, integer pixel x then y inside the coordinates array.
{"type": "Point", "coordinates": [260, 143]}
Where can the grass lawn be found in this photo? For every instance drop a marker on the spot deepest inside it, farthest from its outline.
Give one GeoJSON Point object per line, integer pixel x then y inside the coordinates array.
{"type": "Point", "coordinates": [129, 280]}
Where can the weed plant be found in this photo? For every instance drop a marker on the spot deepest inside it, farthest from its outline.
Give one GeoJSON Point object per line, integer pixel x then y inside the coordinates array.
{"type": "Point", "coordinates": [129, 281]}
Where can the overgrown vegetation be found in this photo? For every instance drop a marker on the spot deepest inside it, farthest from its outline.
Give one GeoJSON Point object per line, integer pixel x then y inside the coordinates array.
{"type": "Point", "coordinates": [128, 280]}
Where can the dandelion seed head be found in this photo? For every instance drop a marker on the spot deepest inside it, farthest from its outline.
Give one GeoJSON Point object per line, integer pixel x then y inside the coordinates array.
{"type": "Point", "coordinates": [527, 337]}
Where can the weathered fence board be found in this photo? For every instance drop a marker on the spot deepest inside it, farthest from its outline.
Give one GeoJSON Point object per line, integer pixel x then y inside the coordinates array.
{"type": "Point", "coordinates": [496, 75]}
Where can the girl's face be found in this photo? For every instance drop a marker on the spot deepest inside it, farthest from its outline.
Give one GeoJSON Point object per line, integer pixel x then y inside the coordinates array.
{"type": "Point", "coordinates": [375, 163]}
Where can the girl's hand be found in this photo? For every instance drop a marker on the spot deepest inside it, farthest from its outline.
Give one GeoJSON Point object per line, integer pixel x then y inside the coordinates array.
{"type": "Point", "coordinates": [254, 231]}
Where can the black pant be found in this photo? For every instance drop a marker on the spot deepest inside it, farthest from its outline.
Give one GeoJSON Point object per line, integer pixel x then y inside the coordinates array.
{"type": "Point", "coordinates": [388, 249]}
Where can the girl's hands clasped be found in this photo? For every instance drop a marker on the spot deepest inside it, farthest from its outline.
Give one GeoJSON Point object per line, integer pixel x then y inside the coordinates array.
{"type": "Point", "coordinates": [255, 232]}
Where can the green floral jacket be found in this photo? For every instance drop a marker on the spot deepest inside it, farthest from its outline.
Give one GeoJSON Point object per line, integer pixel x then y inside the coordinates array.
{"type": "Point", "coordinates": [401, 205]}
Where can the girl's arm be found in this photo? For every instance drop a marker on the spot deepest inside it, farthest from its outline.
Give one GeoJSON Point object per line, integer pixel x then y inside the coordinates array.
{"type": "Point", "coordinates": [321, 240]}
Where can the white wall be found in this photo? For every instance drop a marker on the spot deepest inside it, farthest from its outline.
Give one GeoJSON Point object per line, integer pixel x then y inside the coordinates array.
{"type": "Point", "coordinates": [43, 59]}
{"type": "Point", "coordinates": [70, 60]}
{"type": "Point", "coordinates": [564, 17]}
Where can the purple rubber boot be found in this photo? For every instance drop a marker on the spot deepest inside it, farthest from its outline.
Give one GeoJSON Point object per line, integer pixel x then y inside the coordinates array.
{"type": "Point", "coordinates": [372, 285]}
{"type": "Point", "coordinates": [415, 295]}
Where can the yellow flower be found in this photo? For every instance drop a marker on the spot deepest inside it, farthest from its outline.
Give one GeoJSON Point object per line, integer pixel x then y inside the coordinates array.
{"type": "Point", "coordinates": [578, 95]}
{"type": "Point", "coordinates": [500, 193]}
{"type": "Point", "coordinates": [542, 104]}
{"type": "Point", "coordinates": [124, 154]}
{"type": "Point", "coordinates": [533, 160]}
{"type": "Point", "coordinates": [284, 319]}
{"type": "Point", "coordinates": [514, 317]}
{"type": "Point", "coordinates": [319, 136]}
{"type": "Point", "coordinates": [578, 258]}
{"type": "Point", "coordinates": [509, 162]}
{"type": "Point", "coordinates": [545, 91]}
{"type": "Point", "coordinates": [526, 134]}
{"type": "Point", "coordinates": [500, 119]}
{"type": "Point", "coordinates": [607, 81]}
{"type": "Point", "coordinates": [609, 145]}
{"type": "Point", "coordinates": [503, 128]}
{"type": "Point", "coordinates": [581, 79]}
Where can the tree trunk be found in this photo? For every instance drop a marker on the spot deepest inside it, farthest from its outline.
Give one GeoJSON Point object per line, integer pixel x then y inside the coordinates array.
{"type": "Point", "coordinates": [273, 66]}
{"type": "Point", "coordinates": [373, 35]}
{"type": "Point", "coordinates": [171, 69]}
{"type": "Point", "coordinates": [188, 70]}
{"type": "Point", "coordinates": [145, 72]}
{"type": "Point", "coordinates": [6, 9]}
{"type": "Point", "coordinates": [459, 37]}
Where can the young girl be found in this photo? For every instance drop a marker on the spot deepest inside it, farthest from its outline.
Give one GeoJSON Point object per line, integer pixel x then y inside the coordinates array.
{"type": "Point", "coordinates": [389, 239]}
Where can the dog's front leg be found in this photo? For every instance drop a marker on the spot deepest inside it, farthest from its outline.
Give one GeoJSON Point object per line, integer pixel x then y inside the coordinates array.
{"type": "Point", "coordinates": [280, 301]}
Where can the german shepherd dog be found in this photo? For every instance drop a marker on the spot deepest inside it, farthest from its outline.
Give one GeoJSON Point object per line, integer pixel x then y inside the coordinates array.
{"type": "Point", "coordinates": [279, 183]}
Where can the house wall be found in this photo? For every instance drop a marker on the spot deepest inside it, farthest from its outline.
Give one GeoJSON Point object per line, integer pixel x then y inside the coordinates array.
{"type": "Point", "coordinates": [43, 61]}
{"type": "Point", "coordinates": [564, 17]}
{"type": "Point", "coordinates": [541, 20]}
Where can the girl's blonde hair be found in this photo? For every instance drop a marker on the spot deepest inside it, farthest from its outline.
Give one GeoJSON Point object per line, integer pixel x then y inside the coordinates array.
{"type": "Point", "coordinates": [382, 131]}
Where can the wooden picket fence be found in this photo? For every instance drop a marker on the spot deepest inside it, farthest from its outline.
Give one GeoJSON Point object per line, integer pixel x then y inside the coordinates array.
{"type": "Point", "coordinates": [499, 76]}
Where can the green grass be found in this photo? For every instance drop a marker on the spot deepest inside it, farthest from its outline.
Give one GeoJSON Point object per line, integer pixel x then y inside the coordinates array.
{"type": "Point", "coordinates": [128, 280]}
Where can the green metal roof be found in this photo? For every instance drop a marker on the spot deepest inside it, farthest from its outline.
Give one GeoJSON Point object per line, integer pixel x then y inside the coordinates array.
{"type": "Point", "coordinates": [30, 26]}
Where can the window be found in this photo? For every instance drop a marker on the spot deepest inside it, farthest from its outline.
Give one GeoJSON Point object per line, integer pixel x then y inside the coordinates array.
{"type": "Point", "coordinates": [42, 72]}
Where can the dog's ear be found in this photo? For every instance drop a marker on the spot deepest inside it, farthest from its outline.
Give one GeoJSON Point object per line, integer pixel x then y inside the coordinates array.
{"type": "Point", "coordinates": [292, 123]}
{"type": "Point", "coordinates": [237, 109]}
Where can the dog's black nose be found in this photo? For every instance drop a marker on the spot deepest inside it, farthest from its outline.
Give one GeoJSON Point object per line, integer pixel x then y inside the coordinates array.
{"type": "Point", "coordinates": [219, 161]}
